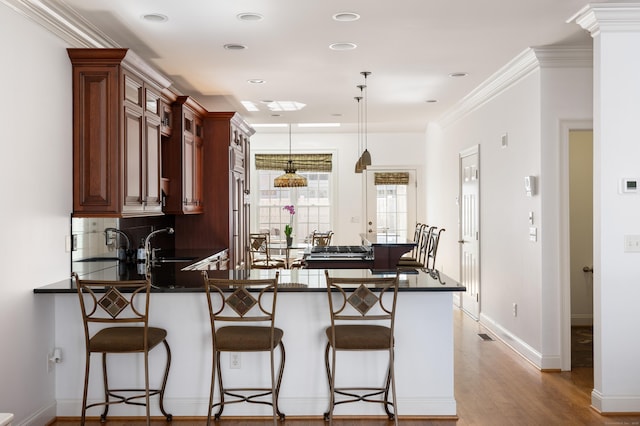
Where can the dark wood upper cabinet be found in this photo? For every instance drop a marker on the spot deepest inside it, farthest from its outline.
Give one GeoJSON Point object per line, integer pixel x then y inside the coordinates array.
{"type": "Point", "coordinates": [116, 134]}
{"type": "Point", "coordinates": [182, 155]}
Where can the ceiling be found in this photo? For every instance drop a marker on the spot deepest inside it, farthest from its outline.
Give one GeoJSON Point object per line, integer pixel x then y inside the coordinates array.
{"type": "Point", "coordinates": [410, 47]}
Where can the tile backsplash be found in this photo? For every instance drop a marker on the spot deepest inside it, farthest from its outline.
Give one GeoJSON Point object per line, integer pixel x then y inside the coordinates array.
{"type": "Point", "coordinates": [90, 240]}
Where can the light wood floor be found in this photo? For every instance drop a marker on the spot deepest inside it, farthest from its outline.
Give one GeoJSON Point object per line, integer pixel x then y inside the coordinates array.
{"type": "Point", "coordinates": [493, 386]}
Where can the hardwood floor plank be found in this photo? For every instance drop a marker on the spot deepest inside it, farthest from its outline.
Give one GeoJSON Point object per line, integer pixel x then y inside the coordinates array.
{"type": "Point", "coordinates": [493, 387]}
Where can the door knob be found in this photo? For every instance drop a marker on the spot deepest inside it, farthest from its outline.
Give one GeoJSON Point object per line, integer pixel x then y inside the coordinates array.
{"type": "Point", "coordinates": [587, 269]}
{"type": "Point", "coordinates": [461, 241]}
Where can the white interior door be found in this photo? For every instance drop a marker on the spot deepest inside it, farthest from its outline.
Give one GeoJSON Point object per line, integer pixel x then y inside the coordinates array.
{"type": "Point", "coordinates": [469, 220]}
{"type": "Point", "coordinates": [391, 209]}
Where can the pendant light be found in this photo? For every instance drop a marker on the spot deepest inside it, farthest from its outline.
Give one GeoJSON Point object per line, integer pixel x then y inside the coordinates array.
{"type": "Point", "coordinates": [365, 158]}
{"type": "Point", "coordinates": [289, 179]}
{"type": "Point", "coordinates": [358, 168]}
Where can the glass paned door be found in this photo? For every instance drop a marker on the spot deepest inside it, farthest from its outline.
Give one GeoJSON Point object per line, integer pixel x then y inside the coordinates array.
{"type": "Point", "coordinates": [391, 209]}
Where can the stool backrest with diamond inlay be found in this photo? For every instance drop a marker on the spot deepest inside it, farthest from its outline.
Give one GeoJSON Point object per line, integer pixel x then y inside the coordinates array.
{"type": "Point", "coordinates": [241, 300]}
{"type": "Point", "coordinates": [368, 299]}
{"type": "Point", "coordinates": [114, 302]}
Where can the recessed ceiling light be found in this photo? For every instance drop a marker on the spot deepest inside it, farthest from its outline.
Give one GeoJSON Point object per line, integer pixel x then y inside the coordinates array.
{"type": "Point", "coordinates": [346, 16]}
{"type": "Point", "coordinates": [458, 74]}
{"type": "Point", "coordinates": [318, 124]}
{"type": "Point", "coordinates": [155, 17]}
{"type": "Point", "coordinates": [269, 125]}
{"type": "Point", "coordinates": [336, 115]}
{"type": "Point", "coordinates": [249, 106]}
{"type": "Point", "coordinates": [279, 106]}
{"type": "Point", "coordinates": [249, 16]}
{"type": "Point", "coordinates": [233, 46]}
{"type": "Point", "coordinates": [256, 81]}
{"type": "Point", "coordinates": [343, 46]}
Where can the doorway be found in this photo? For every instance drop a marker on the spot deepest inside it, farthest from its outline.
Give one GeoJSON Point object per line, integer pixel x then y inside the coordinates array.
{"type": "Point", "coordinates": [469, 220]}
{"type": "Point", "coordinates": [581, 246]}
{"type": "Point", "coordinates": [391, 201]}
{"type": "Point", "coordinates": [576, 262]}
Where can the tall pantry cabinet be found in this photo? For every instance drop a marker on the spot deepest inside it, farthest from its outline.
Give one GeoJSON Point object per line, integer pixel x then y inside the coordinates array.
{"type": "Point", "coordinates": [225, 189]}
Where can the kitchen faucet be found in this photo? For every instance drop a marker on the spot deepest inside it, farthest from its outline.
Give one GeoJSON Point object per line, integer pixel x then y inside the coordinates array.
{"type": "Point", "coordinates": [121, 255]}
{"type": "Point", "coordinates": [147, 243]}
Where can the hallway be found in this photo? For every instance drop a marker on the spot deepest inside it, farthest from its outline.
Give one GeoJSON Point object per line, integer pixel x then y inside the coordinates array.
{"type": "Point", "coordinates": [495, 386]}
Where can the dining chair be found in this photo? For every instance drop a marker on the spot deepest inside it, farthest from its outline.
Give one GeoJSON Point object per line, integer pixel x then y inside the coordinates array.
{"type": "Point", "coordinates": [115, 317]}
{"type": "Point", "coordinates": [259, 253]}
{"type": "Point", "coordinates": [362, 313]}
{"type": "Point", "coordinates": [242, 314]}
{"type": "Point", "coordinates": [321, 239]}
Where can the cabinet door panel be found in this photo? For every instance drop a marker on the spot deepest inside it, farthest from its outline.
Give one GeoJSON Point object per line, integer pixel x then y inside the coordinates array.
{"type": "Point", "coordinates": [132, 161]}
{"type": "Point", "coordinates": [153, 197]}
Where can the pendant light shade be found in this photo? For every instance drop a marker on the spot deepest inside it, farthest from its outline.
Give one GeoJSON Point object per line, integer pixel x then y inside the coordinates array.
{"type": "Point", "coordinates": [358, 168]}
{"type": "Point", "coordinates": [290, 179]}
{"type": "Point", "coordinates": [365, 157]}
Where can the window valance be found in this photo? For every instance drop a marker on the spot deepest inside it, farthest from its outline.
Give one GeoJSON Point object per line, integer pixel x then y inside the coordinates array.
{"type": "Point", "coordinates": [301, 162]}
{"type": "Point", "coordinates": [384, 178]}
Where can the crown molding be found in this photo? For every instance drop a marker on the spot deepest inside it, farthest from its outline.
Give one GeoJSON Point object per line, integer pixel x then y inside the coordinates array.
{"type": "Point", "coordinates": [610, 17]}
{"type": "Point", "coordinates": [528, 61]}
{"type": "Point", "coordinates": [64, 22]}
{"type": "Point", "coordinates": [61, 20]}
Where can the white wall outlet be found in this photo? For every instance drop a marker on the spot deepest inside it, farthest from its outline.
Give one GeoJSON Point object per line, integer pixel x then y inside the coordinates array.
{"type": "Point", "coordinates": [234, 360]}
{"type": "Point", "coordinates": [515, 309]}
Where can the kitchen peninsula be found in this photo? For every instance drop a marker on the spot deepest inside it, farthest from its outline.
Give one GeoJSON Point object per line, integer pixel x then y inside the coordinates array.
{"type": "Point", "coordinates": [424, 348]}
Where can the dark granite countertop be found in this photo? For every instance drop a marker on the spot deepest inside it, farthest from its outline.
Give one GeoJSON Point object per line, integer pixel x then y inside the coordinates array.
{"type": "Point", "coordinates": [170, 278]}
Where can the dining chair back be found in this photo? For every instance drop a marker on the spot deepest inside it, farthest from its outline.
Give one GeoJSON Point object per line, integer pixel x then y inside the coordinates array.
{"type": "Point", "coordinates": [260, 254]}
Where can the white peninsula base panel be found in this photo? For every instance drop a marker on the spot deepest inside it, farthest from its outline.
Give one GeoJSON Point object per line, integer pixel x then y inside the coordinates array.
{"type": "Point", "coordinates": [424, 359]}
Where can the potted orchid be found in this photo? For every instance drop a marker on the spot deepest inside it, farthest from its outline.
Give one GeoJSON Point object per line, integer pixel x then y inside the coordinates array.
{"type": "Point", "coordinates": [288, 229]}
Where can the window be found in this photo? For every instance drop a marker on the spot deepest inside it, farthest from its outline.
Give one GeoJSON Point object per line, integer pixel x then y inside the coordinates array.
{"type": "Point", "coordinates": [312, 205]}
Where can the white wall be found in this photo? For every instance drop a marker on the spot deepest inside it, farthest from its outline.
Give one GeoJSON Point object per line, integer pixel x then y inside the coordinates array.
{"type": "Point", "coordinates": [387, 149]}
{"type": "Point", "coordinates": [528, 109]}
{"type": "Point", "coordinates": [35, 171]}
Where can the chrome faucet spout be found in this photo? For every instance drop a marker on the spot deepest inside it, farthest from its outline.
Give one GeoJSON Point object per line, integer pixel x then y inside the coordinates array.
{"type": "Point", "coordinates": [147, 242]}
{"type": "Point", "coordinates": [116, 231]}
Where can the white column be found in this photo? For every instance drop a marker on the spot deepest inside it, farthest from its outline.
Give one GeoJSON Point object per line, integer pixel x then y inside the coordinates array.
{"type": "Point", "coordinates": [615, 28]}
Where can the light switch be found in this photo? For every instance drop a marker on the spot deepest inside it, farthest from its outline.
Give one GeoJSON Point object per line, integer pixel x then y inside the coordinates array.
{"type": "Point", "coordinates": [530, 218]}
{"type": "Point", "coordinates": [632, 243]}
{"type": "Point", "coordinates": [533, 234]}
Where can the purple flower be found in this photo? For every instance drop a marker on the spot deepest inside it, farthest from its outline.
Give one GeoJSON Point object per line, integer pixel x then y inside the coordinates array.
{"type": "Point", "coordinates": [290, 209]}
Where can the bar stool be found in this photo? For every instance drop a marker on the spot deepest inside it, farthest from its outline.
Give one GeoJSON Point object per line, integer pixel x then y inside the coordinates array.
{"type": "Point", "coordinates": [230, 301]}
{"type": "Point", "coordinates": [412, 256]}
{"type": "Point", "coordinates": [423, 250]}
{"type": "Point", "coordinates": [432, 251]}
{"type": "Point", "coordinates": [362, 319]}
{"type": "Point", "coordinates": [124, 310]}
